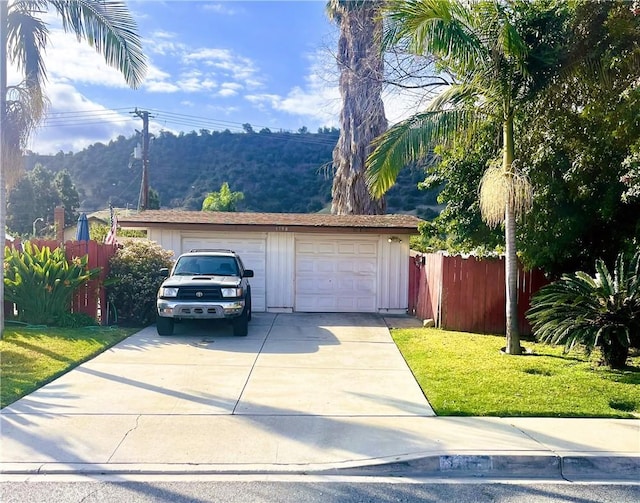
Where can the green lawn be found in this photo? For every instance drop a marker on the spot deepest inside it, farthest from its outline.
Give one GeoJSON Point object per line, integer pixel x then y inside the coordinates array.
{"type": "Point", "coordinates": [465, 374]}
{"type": "Point", "coordinates": [32, 357]}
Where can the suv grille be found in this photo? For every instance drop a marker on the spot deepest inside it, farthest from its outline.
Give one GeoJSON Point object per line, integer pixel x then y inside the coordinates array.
{"type": "Point", "coordinates": [208, 293]}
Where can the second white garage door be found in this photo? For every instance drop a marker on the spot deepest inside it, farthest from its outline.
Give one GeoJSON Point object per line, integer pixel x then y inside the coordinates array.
{"type": "Point", "coordinates": [252, 252]}
{"type": "Point", "coordinates": [335, 274]}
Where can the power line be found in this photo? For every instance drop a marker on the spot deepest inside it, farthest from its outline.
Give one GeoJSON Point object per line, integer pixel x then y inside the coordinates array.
{"type": "Point", "coordinates": [88, 117]}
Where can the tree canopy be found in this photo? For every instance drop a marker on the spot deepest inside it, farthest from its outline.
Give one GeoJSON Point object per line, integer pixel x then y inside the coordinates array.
{"type": "Point", "coordinates": [577, 142]}
{"type": "Point", "coordinates": [223, 200]}
{"type": "Point", "coordinates": [497, 64]}
{"type": "Point", "coordinates": [36, 194]}
{"type": "Point", "coordinates": [278, 172]}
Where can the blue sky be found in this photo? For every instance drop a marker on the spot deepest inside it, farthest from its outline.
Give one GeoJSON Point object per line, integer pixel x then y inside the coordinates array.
{"type": "Point", "coordinates": [212, 65]}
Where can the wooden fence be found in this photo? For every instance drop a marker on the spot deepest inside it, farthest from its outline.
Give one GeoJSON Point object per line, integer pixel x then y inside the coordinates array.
{"type": "Point", "coordinates": [468, 294]}
{"type": "Point", "coordinates": [91, 298]}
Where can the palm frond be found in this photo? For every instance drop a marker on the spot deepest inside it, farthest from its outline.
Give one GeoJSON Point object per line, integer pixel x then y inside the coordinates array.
{"type": "Point", "coordinates": [109, 27]}
{"type": "Point", "coordinates": [455, 96]}
{"type": "Point", "coordinates": [26, 41]}
{"type": "Point", "coordinates": [409, 141]}
{"type": "Point", "coordinates": [438, 27]}
{"type": "Point", "coordinates": [600, 310]}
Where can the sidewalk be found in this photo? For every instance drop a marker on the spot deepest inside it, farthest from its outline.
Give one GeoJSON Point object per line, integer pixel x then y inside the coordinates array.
{"type": "Point", "coordinates": [301, 394]}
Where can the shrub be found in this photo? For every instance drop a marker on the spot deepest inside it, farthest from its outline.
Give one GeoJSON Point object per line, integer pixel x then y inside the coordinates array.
{"type": "Point", "coordinates": [42, 282]}
{"type": "Point", "coordinates": [134, 280]}
{"type": "Point", "coordinates": [75, 320]}
{"type": "Point", "coordinates": [600, 311]}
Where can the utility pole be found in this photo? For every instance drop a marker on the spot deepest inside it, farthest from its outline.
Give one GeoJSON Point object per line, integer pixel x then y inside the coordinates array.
{"type": "Point", "coordinates": [144, 188]}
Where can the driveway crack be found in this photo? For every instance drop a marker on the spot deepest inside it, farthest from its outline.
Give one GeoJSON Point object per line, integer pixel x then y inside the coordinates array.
{"type": "Point", "coordinates": [124, 437]}
{"type": "Point", "coordinates": [253, 366]}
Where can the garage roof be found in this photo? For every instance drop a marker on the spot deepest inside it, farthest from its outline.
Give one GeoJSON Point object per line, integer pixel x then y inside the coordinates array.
{"type": "Point", "coordinates": [314, 222]}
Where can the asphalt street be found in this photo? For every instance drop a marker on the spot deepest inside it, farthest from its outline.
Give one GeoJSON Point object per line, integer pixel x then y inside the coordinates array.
{"type": "Point", "coordinates": [358, 490]}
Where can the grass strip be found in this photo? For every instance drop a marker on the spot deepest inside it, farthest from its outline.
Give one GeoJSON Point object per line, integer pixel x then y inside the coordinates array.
{"type": "Point", "coordinates": [464, 374]}
{"type": "Point", "coordinates": [30, 357]}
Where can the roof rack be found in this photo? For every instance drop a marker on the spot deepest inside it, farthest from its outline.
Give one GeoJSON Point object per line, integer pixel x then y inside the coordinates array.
{"type": "Point", "coordinates": [222, 250]}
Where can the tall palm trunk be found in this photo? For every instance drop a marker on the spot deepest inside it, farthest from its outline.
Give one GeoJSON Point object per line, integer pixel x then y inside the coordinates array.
{"type": "Point", "coordinates": [511, 258]}
{"type": "Point", "coordinates": [4, 8]}
{"type": "Point", "coordinates": [362, 117]}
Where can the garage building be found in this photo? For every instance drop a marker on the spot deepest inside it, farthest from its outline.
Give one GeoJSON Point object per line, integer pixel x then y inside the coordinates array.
{"type": "Point", "coordinates": [302, 262]}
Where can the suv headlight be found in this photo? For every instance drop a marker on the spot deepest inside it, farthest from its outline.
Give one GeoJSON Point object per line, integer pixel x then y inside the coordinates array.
{"type": "Point", "coordinates": [168, 291]}
{"type": "Point", "coordinates": [231, 292]}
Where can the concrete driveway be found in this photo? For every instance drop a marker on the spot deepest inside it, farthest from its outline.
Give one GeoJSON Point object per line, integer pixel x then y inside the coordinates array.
{"type": "Point", "coordinates": [315, 390]}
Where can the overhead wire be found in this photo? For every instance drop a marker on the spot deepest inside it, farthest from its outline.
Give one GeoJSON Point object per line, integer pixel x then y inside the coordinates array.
{"type": "Point", "coordinates": [87, 117]}
{"type": "Point", "coordinates": [163, 117]}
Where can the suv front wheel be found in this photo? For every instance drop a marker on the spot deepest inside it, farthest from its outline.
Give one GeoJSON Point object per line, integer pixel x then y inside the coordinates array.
{"type": "Point", "coordinates": [164, 325]}
{"type": "Point", "coordinates": [241, 323]}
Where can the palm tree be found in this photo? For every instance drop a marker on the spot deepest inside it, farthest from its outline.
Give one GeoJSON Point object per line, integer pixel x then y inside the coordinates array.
{"type": "Point", "coordinates": [105, 24]}
{"type": "Point", "coordinates": [362, 117]}
{"type": "Point", "coordinates": [592, 311]}
{"type": "Point", "coordinates": [478, 43]}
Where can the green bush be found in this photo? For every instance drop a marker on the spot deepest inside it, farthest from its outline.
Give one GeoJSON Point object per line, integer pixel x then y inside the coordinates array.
{"type": "Point", "coordinates": [134, 279]}
{"type": "Point", "coordinates": [42, 282]}
{"type": "Point", "coordinates": [75, 320]}
{"type": "Point", "coordinates": [594, 311]}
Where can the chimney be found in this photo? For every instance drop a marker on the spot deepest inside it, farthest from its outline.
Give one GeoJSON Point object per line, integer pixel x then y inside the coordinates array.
{"type": "Point", "coordinates": [58, 219]}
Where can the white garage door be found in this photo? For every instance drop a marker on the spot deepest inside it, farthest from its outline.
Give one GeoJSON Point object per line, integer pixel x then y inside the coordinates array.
{"type": "Point", "coordinates": [335, 275]}
{"type": "Point", "coordinates": [252, 253]}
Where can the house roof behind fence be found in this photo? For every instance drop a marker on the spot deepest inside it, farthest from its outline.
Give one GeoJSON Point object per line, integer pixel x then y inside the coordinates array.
{"type": "Point", "coordinates": [404, 224]}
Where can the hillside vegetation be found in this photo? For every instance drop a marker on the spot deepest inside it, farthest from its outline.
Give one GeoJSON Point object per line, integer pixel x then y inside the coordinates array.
{"type": "Point", "coordinates": [277, 172]}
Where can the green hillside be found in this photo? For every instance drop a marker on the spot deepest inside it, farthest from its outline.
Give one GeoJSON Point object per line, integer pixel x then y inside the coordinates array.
{"type": "Point", "coordinates": [277, 172]}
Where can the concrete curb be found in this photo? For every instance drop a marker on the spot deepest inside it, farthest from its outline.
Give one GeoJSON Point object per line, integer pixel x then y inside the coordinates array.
{"type": "Point", "coordinates": [551, 466]}
{"type": "Point", "coordinates": [527, 466]}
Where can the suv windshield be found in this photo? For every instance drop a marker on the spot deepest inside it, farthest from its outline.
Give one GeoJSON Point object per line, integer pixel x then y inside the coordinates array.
{"type": "Point", "coordinates": [208, 266]}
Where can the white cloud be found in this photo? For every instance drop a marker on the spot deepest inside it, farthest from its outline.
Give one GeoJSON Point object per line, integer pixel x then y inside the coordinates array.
{"type": "Point", "coordinates": [232, 65]}
{"type": "Point", "coordinates": [317, 101]}
{"type": "Point", "coordinates": [221, 8]}
{"type": "Point", "coordinates": [231, 85]}
{"type": "Point", "coordinates": [196, 84]}
{"type": "Point", "coordinates": [68, 60]}
{"type": "Point", "coordinates": [73, 122]}
{"type": "Point", "coordinates": [162, 43]}
{"type": "Point", "coordinates": [161, 87]}
{"type": "Point", "coordinates": [229, 89]}
{"type": "Point", "coordinates": [227, 93]}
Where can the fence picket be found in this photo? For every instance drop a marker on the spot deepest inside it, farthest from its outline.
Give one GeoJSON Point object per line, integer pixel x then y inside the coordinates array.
{"type": "Point", "coordinates": [469, 294]}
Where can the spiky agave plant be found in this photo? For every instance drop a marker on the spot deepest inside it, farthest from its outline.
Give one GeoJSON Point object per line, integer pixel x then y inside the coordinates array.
{"type": "Point", "coordinates": [594, 311]}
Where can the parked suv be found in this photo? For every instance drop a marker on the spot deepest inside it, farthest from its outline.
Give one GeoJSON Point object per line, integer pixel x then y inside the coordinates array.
{"type": "Point", "coordinates": [205, 284]}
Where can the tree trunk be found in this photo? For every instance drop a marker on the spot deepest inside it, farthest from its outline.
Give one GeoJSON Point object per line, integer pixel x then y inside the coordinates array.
{"type": "Point", "coordinates": [615, 354]}
{"type": "Point", "coordinates": [4, 8]}
{"type": "Point", "coordinates": [362, 117]}
{"type": "Point", "coordinates": [511, 258]}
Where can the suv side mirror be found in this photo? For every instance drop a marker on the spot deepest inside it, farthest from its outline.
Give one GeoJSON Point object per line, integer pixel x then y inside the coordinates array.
{"type": "Point", "coordinates": [164, 272]}
{"type": "Point", "coordinates": [248, 273]}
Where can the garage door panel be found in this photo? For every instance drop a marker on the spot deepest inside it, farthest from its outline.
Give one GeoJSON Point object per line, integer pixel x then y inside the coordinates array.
{"type": "Point", "coordinates": [338, 275]}
{"type": "Point", "coordinates": [365, 267]}
{"type": "Point", "coordinates": [346, 249]}
{"type": "Point", "coordinates": [325, 266]}
{"type": "Point", "coordinates": [365, 249]}
{"type": "Point", "coordinates": [347, 266]}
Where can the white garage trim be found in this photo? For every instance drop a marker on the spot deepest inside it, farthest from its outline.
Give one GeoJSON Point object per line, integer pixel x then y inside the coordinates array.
{"type": "Point", "coordinates": [335, 273]}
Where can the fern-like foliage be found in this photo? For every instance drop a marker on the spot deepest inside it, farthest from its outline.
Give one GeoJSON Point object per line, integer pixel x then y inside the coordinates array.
{"type": "Point", "coordinates": [594, 311]}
